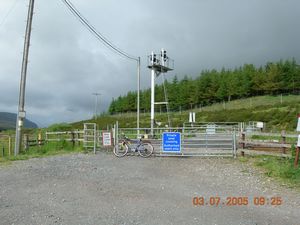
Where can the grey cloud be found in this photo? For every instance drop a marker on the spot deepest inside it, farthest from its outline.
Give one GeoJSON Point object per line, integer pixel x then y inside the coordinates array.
{"type": "Point", "coordinates": [67, 64]}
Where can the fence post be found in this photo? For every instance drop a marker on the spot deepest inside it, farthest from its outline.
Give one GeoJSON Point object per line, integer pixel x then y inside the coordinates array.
{"type": "Point", "coordinates": [296, 158]}
{"type": "Point", "coordinates": [117, 133]}
{"type": "Point", "coordinates": [243, 140]}
{"type": "Point", "coordinates": [234, 143]}
{"type": "Point", "coordinates": [73, 139]}
{"type": "Point", "coordinates": [243, 143]}
{"type": "Point", "coordinates": [9, 145]}
{"type": "Point", "coordinates": [78, 137]}
{"type": "Point", "coordinates": [26, 141]}
{"type": "Point", "coordinates": [206, 141]}
{"type": "Point", "coordinates": [114, 134]}
{"type": "Point", "coordinates": [95, 138]}
{"type": "Point", "coordinates": [40, 139]}
{"type": "Point", "coordinates": [283, 135]}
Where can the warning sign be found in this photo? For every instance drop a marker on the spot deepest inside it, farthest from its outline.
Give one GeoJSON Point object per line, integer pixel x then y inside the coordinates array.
{"type": "Point", "coordinates": [106, 138]}
{"type": "Point", "coordinates": [171, 142]}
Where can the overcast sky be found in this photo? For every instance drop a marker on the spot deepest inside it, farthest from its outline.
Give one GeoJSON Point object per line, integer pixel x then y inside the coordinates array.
{"type": "Point", "coordinates": [67, 64]}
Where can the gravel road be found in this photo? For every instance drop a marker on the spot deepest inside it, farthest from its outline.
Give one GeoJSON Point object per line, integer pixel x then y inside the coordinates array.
{"type": "Point", "coordinates": [102, 189]}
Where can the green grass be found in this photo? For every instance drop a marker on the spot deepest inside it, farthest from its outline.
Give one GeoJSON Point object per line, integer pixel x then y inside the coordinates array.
{"type": "Point", "coordinates": [282, 168]}
{"type": "Point", "coordinates": [49, 149]}
{"type": "Point", "coordinates": [276, 114]}
{"type": "Point", "coordinates": [291, 140]}
{"type": "Point", "coordinates": [276, 167]}
{"type": "Point", "coordinates": [269, 109]}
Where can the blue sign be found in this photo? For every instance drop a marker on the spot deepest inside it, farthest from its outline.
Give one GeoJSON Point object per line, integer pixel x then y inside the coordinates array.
{"type": "Point", "coordinates": [171, 142]}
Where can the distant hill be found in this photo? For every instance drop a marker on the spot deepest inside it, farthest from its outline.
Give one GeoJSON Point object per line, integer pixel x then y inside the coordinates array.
{"type": "Point", "coordinates": [278, 112]}
{"type": "Point", "coordinates": [8, 121]}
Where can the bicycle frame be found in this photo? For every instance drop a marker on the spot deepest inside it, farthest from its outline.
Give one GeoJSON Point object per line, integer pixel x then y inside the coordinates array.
{"type": "Point", "coordinates": [126, 145]}
{"type": "Point", "coordinates": [132, 147]}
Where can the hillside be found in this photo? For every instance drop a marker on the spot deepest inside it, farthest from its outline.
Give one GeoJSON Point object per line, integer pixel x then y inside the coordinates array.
{"type": "Point", "coordinates": [278, 112]}
{"type": "Point", "coordinates": [8, 121]}
{"type": "Point", "coordinates": [213, 86]}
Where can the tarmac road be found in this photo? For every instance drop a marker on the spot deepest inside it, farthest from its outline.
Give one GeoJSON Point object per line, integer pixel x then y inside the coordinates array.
{"type": "Point", "coordinates": [102, 189]}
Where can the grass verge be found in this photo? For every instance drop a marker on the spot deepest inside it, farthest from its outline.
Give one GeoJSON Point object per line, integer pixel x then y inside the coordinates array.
{"type": "Point", "coordinates": [276, 167]}
{"type": "Point", "coordinates": [49, 149]}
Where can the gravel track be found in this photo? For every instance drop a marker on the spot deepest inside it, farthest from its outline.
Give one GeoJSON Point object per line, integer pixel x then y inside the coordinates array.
{"type": "Point", "coordinates": [102, 189]}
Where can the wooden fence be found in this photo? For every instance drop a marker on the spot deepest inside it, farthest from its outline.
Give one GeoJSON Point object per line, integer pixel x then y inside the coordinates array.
{"type": "Point", "coordinates": [6, 145]}
{"type": "Point", "coordinates": [71, 136]}
{"type": "Point", "coordinates": [278, 145]}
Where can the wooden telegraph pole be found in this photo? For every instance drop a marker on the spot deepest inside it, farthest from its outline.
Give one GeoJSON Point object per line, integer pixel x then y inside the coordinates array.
{"type": "Point", "coordinates": [296, 157]}
{"type": "Point", "coordinates": [21, 109]}
{"type": "Point", "coordinates": [297, 153]}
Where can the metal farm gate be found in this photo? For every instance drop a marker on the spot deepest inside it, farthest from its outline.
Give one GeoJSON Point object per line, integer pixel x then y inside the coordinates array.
{"type": "Point", "coordinates": [202, 140]}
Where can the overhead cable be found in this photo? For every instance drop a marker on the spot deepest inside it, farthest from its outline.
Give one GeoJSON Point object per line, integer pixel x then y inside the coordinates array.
{"type": "Point", "coordinates": [94, 31]}
{"type": "Point", "coordinates": [8, 12]}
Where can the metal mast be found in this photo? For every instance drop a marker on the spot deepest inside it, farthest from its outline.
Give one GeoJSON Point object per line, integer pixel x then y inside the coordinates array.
{"type": "Point", "coordinates": [157, 66]}
{"type": "Point", "coordinates": [96, 104]}
{"type": "Point", "coordinates": [21, 108]}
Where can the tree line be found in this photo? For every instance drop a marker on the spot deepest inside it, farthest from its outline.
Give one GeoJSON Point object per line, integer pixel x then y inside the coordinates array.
{"type": "Point", "coordinates": [213, 86]}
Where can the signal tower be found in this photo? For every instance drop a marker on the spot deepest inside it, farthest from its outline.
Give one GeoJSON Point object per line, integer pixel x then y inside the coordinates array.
{"type": "Point", "coordinates": [158, 65]}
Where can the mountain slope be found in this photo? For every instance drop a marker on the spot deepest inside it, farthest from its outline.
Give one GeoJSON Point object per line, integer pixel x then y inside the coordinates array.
{"type": "Point", "coordinates": [278, 112]}
{"type": "Point", "coordinates": [8, 121]}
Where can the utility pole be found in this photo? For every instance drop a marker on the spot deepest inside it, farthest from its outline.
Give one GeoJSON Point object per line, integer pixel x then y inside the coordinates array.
{"type": "Point", "coordinates": [96, 103]}
{"type": "Point", "coordinates": [21, 109]}
{"type": "Point", "coordinates": [138, 97]}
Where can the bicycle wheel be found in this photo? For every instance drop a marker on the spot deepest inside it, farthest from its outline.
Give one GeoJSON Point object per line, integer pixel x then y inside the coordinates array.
{"type": "Point", "coordinates": [121, 149]}
{"type": "Point", "coordinates": [145, 149]}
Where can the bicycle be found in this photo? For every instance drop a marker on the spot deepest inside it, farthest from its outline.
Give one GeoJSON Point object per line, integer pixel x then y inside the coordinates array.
{"type": "Point", "coordinates": [144, 149]}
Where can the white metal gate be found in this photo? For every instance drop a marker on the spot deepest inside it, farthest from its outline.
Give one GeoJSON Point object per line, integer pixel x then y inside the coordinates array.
{"type": "Point", "coordinates": [90, 136]}
{"type": "Point", "coordinates": [204, 140]}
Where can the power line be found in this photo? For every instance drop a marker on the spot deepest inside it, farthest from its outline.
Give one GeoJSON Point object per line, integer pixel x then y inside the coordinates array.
{"type": "Point", "coordinates": [8, 12]}
{"type": "Point", "coordinates": [112, 47]}
{"type": "Point", "coordinates": [94, 31]}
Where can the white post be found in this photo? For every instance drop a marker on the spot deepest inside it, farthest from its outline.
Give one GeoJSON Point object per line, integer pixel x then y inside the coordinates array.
{"type": "Point", "coordinates": [190, 117]}
{"type": "Point", "coordinates": [95, 138]}
{"type": "Point", "coordinates": [138, 97]}
{"type": "Point", "coordinates": [234, 144]}
{"type": "Point", "coordinates": [117, 133]}
{"type": "Point", "coordinates": [152, 98]}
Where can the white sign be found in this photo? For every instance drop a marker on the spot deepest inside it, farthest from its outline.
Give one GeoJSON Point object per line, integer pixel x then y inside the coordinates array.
{"type": "Point", "coordinates": [260, 124]}
{"type": "Point", "coordinates": [211, 129]}
{"type": "Point", "coordinates": [192, 117]}
{"type": "Point", "coordinates": [298, 143]}
{"type": "Point", "coordinates": [106, 138]}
